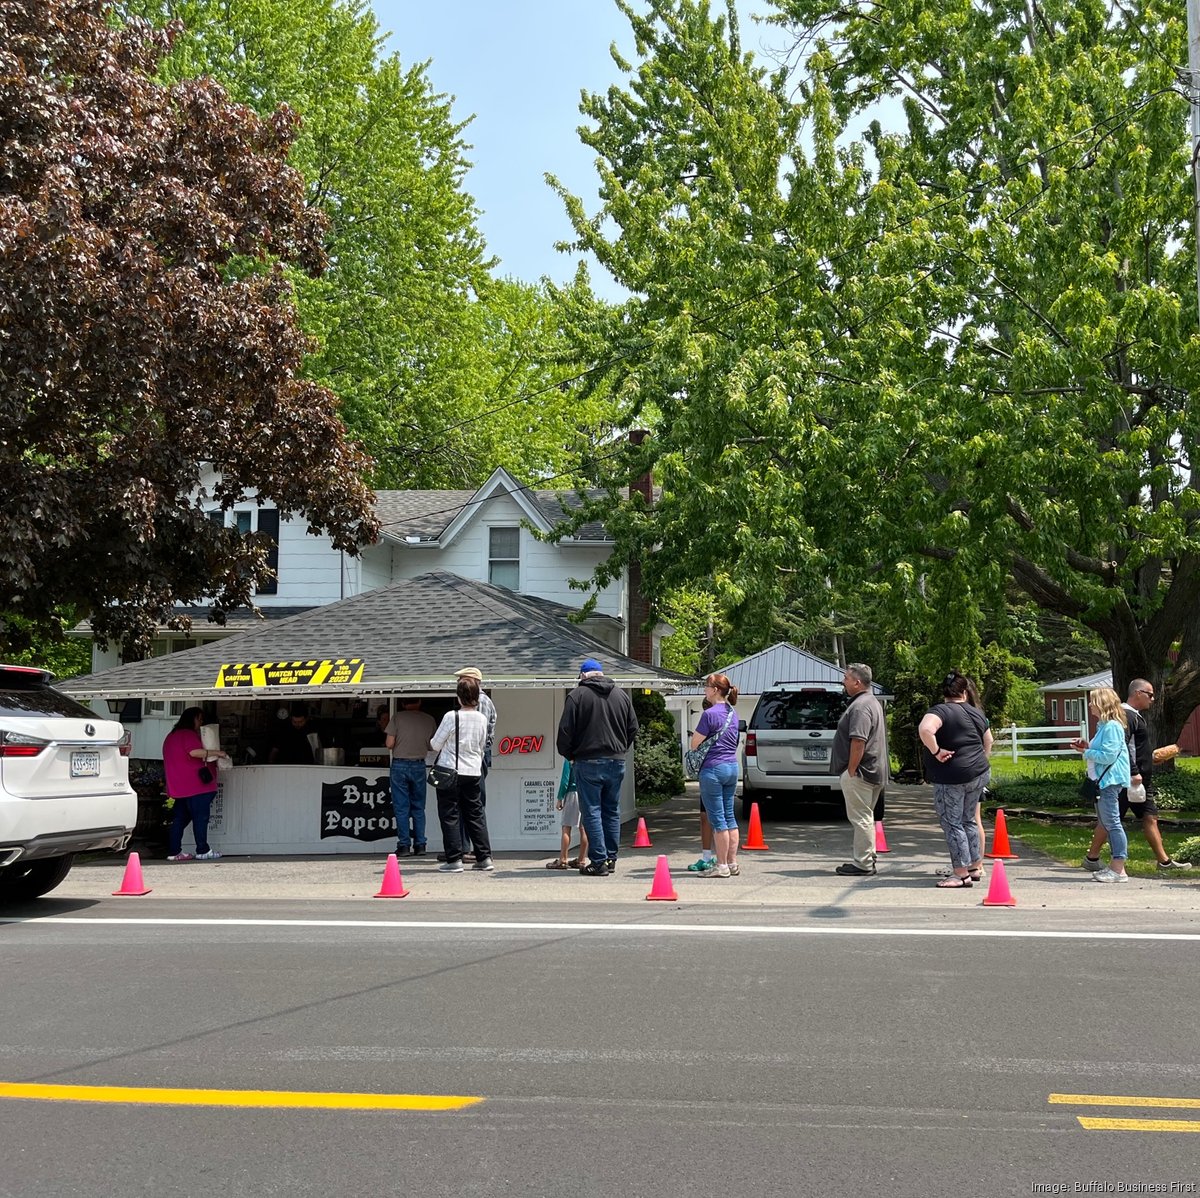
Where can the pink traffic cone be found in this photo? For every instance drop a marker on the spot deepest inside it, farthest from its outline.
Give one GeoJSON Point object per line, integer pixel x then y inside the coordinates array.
{"type": "Point", "coordinates": [880, 839]}
{"type": "Point", "coordinates": [998, 894]}
{"type": "Point", "coordinates": [392, 886]}
{"type": "Point", "coordinates": [642, 839]}
{"type": "Point", "coordinates": [663, 889]}
{"type": "Point", "coordinates": [131, 883]}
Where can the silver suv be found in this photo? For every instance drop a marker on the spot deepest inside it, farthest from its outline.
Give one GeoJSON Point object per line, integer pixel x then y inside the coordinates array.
{"type": "Point", "coordinates": [789, 743]}
{"type": "Point", "coordinates": [64, 783]}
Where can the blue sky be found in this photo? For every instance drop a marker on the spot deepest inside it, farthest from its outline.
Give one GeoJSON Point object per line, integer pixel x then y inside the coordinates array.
{"type": "Point", "coordinates": [519, 68]}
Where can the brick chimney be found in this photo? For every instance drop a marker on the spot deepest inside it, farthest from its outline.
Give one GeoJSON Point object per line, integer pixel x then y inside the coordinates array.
{"type": "Point", "coordinates": [640, 642]}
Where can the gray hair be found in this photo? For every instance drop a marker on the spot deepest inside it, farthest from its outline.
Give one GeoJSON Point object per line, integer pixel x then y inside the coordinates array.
{"type": "Point", "coordinates": [861, 672]}
{"type": "Point", "coordinates": [1138, 684]}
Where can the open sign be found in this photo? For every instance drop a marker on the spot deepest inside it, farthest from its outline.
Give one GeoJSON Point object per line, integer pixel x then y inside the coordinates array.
{"type": "Point", "coordinates": [520, 744]}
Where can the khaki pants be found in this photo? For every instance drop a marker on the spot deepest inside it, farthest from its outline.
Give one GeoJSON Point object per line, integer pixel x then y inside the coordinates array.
{"type": "Point", "coordinates": [861, 797]}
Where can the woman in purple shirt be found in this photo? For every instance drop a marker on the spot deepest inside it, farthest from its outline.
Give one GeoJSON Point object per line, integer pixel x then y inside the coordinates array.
{"type": "Point", "coordinates": [719, 773]}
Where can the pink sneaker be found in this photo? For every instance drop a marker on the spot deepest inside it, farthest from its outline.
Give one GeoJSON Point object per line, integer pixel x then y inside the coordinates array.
{"type": "Point", "coordinates": [182, 857]}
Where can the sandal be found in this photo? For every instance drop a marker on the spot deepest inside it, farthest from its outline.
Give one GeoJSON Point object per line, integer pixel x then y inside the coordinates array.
{"type": "Point", "coordinates": [556, 864]}
{"type": "Point", "coordinates": [954, 882]}
{"type": "Point", "coordinates": [976, 875]}
{"type": "Point", "coordinates": [574, 863]}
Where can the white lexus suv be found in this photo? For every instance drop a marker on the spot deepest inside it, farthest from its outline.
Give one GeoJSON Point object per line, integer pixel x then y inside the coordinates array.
{"type": "Point", "coordinates": [64, 783]}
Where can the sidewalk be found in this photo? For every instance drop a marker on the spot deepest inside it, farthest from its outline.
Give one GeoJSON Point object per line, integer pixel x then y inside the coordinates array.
{"type": "Point", "coordinates": [796, 872]}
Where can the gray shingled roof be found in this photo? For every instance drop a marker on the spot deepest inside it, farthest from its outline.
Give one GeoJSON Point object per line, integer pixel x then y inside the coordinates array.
{"type": "Point", "coordinates": [425, 514]}
{"type": "Point", "coordinates": [780, 663]}
{"type": "Point", "coordinates": [411, 634]}
{"type": "Point", "coordinates": [241, 619]}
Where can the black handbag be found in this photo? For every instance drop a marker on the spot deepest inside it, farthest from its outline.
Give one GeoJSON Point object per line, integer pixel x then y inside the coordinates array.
{"type": "Point", "coordinates": [1089, 788]}
{"type": "Point", "coordinates": [205, 775]}
{"type": "Point", "coordinates": [442, 777]}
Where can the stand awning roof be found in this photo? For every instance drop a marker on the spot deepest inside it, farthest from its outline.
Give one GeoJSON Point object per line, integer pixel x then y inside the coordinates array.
{"type": "Point", "coordinates": [411, 635]}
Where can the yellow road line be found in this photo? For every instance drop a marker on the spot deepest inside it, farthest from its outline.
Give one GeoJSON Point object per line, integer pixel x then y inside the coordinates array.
{"type": "Point", "coordinates": [1138, 1124]}
{"type": "Point", "coordinates": [1188, 1104]}
{"type": "Point", "coordinates": [311, 1099]}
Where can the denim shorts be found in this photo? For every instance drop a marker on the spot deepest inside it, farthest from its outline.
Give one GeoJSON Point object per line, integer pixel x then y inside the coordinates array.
{"type": "Point", "coordinates": [718, 784]}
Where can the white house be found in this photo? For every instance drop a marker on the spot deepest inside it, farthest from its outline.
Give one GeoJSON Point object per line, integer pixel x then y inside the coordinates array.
{"type": "Point", "coordinates": [486, 535]}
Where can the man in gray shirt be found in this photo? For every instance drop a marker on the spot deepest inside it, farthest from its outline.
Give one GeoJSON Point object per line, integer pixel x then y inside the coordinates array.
{"type": "Point", "coordinates": [860, 758]}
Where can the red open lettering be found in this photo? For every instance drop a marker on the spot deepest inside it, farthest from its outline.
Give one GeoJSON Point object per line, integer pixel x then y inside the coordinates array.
{"type": "Point", "coordinates": [520, 744]}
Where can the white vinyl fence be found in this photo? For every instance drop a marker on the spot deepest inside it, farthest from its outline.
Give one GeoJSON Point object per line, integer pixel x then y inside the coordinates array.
{"type": "Point", "coordinates": [1045, 740]}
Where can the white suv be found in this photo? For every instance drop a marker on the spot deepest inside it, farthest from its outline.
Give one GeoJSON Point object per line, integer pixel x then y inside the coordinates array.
{"type": "Point", "coordinates": [789, 743]}
{"type": "Point", "coordinates": [64, 783]}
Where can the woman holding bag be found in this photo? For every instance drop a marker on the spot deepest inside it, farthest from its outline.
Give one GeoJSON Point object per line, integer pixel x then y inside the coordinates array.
{"type": "Point", "coordinates": [191, 783]}
{"type": "Point", "coordinates": [1108, 767]}
{"type": "Point", "coordinates": [459, 743]}
{"type": "Point", "coordinates": [719, 773]}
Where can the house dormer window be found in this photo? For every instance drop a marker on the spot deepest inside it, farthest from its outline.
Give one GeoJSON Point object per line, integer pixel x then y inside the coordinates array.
{"type": "Point", "coordinates": [504, 557]}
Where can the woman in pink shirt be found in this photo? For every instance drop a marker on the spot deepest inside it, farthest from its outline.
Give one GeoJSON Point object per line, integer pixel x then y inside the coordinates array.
{"type": "Point", "coordinates": [191, 782]}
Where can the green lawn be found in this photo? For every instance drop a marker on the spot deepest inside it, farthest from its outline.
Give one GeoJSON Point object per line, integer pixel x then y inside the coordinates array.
{"type": "Point", "coordinates": [1067, 844]}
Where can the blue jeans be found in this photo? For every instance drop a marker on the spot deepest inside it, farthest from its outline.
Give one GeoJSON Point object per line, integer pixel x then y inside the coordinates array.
{"type": "Point", "coordinates": [717, 786]}
{"type": "Point", "coordinates": [1108, 808]}
{"type": "Point", "coordinates": [599, 781]}
{"type": "Point", "coordinates": [408, 800]}
{"type": "Point", "coordinates": [193, 810]}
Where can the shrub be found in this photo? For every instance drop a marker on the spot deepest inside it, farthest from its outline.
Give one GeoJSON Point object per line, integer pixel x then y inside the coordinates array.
{"type": "Point", "coordinates": [1177, 790]}
{"type": "Point", "coordinates": [1039, 792]}
{"type": "Point", "coordinates": [657, 767]}
{"type": "Point", "coordinates": [1189, 850]}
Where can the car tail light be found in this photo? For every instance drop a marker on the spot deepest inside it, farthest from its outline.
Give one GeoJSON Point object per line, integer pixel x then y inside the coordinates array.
{"type": "Point", "coordinates": [15, 744]}
{"type": "Point", "coordinates": [751, 744]}
{"type": "Point", "coordinates": [125, 744]}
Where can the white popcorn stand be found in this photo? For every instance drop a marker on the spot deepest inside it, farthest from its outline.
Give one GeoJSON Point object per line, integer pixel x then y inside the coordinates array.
{"type": "Point", "coordinates": [416, 633]}
{"type": "Point", "coordinates": [306, 809]}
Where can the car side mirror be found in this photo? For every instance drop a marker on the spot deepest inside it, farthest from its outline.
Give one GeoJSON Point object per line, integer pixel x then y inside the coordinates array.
{"type": "Point", "coordinates": [741, 726]}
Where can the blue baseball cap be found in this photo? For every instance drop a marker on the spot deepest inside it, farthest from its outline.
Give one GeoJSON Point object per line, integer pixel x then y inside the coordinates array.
{"type": "Point", "coordinates": [591, 666]}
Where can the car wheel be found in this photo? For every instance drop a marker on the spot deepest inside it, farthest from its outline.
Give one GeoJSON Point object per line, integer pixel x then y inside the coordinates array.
{"type": "Point", "coordinates": [35, 878]}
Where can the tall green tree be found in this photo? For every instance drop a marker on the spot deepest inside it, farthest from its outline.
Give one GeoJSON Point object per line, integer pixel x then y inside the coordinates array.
{"type": "Point", "coordinates": [965, 348]}
{"type": "Point", "coordinates": [147, 331]}
{"type": "Point", "coordinates": [432, 354]}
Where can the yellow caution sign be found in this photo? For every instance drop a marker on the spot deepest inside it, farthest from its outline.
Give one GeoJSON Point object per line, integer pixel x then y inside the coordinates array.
{"type": "Point", "coordinates": [336, 672]}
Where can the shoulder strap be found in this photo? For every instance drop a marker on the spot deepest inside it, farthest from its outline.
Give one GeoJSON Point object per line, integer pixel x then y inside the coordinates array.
{"type": "Point", "coordinates": [456, 738]}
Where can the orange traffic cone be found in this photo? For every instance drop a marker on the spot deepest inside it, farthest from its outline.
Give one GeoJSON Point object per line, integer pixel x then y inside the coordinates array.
{"type": "Point", "coordinates": [392, 886]}
{"type": "Point", "coordinates": [131, 883]}
{"type": "Point", "coordinates": [642, 839]}
{"type": "Point", "coordinates": [1000, 845]}
{"type": "Point", "coordinates": [880, 839]}
{"type": "Point", "coordinates": [754, 837]}
{"type": "Point", "coordinates": [663, 889]}
{"type": "Point", "coordinates": [998, 894]}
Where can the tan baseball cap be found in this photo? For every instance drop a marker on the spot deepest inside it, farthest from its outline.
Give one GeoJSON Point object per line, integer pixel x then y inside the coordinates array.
{"type": "Point", "coordinates": [469, 672]}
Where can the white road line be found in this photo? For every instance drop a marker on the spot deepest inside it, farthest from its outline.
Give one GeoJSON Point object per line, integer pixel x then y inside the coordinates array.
{"type": "Point", "coordinates": [659, 929]}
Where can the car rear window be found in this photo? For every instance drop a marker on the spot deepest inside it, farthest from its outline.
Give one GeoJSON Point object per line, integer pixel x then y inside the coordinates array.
{"type": "Point", "coordinates": [799, 710]}
{"type": "Point", "coordinates": [40, 700]}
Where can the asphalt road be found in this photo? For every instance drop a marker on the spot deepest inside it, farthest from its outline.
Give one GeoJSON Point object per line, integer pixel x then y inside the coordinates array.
{"type": "Point", "coordinates": [617, 1049]}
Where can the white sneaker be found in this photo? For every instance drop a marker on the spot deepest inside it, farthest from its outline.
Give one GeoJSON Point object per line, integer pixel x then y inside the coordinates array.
{"type": "Point", "coordinates": [450, 867]}
{"type": "Point", "coordinates": [211, 855]}
{"type": "Point", "coordinates": [1109, 875]}
{"type": "Point", "coordinates": [721, 871]}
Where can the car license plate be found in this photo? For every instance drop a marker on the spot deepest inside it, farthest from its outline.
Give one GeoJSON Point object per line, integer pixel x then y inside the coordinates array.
{"type": "Point", "coordinates": [814, 754]}
{"type": "Point", "coordinates": [85, 765]}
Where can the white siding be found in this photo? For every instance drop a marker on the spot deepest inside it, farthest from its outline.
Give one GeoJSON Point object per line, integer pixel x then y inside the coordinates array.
{"type": "Point", "coordinates": [545, 568]}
